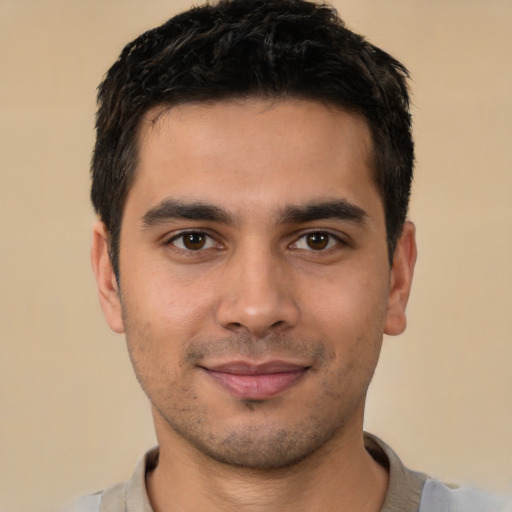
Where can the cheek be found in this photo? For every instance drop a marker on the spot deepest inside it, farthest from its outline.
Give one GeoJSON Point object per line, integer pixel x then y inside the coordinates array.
{"type": "Point", "coordinates": [347, 302]}
{"type": "Point", "coordinates": [154, 356]}
{"type": "Point", "coordinates": [171, 308]}
{"type": "Point", "coordinates": [349, 315]}
{"type": "Point", "coordinates": [160, 319]}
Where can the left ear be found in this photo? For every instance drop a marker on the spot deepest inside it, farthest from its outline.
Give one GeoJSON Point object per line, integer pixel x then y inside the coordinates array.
{"type": "Point", "coordinates": [401, 280]}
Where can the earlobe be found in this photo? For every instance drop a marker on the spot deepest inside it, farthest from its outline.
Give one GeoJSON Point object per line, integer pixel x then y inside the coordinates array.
{"type": "Point", "coordinates": [401, 279]}
{"type": "Point", "coordinates": [105, 278]}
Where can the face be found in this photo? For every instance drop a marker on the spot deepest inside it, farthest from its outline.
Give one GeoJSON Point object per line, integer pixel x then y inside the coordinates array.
{"type": "Point", "coordinates": [254, 279]}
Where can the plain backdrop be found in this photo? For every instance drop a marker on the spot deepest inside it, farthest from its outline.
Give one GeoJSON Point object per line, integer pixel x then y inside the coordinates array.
{"type": "Point", "coordinates": [72, 417]}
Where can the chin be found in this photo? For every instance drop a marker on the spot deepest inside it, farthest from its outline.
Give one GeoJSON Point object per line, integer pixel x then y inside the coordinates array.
{"type": "Point", "coordinates": [259, 446]}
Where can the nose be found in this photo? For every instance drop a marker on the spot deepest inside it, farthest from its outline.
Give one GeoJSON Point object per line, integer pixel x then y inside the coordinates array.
{"type": "Point", "coordinates": [257, 294]}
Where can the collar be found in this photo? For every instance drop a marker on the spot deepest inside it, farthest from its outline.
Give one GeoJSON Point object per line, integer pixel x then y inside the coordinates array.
{"type": "Point", "coordinates": [403, 495]}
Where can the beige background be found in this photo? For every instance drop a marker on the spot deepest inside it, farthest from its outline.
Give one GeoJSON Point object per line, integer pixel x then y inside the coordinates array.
{"type": "Point", "coordinates": [72, 418]}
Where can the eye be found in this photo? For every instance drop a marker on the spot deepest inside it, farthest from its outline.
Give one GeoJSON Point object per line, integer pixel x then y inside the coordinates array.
{"type": "Point", "coordinates": [316, 241]}
{"type": "Point", "coordinates": [193, 241]}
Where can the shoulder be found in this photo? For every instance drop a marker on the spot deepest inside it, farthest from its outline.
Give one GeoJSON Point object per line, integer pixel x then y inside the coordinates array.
{"type": "Point", "coordinates": [129, 495]}
{"type": "Point", "coordinates": [439, 497]}
{"type": "Point", "coordinates": [111, 499]}
{"type": "Point", "coordinates": [89, 503]}
{"type": "Point", "coordinates": [413, 491]}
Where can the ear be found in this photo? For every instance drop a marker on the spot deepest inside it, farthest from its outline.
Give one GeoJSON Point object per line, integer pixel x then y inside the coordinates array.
{"type": "Point", "coordinates": [402, 271]}
{"type": "Point", "coordinates": [108, 289]}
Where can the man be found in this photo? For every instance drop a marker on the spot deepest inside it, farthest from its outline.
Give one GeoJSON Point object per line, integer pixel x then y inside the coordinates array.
{"type": "Point", "coordinates": [251, 175]}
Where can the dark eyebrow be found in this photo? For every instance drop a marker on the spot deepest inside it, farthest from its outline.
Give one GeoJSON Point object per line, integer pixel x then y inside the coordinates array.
{"type": "Point", "coordinates": [170, 209]}
{"type": "Point", "coordinates": [335, 209]}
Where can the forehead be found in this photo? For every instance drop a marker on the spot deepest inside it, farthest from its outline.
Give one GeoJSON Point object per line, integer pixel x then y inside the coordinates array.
{"type": "Point", "coordinates": [322, 123]}
{"type": "Point", "coordinates": [241, 152]}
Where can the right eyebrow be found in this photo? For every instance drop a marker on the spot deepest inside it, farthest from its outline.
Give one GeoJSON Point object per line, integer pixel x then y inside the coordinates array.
{"type": "Point", "coordinates": [170, 209]}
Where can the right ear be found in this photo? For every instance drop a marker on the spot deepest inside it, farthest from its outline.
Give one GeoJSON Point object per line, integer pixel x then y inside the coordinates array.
{"type": "Point", "coordinates": [108, 290]}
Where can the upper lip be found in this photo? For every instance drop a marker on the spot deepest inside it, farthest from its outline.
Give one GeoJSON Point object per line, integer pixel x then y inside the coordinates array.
{"type": "Point", "coordinates": [247, 368]}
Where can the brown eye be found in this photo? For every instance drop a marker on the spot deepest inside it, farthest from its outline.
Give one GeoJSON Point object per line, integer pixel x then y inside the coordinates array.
{"type": "Point", "coordinates": [317, 241]}
{"type": "Point", "coordinates": [193, 241]}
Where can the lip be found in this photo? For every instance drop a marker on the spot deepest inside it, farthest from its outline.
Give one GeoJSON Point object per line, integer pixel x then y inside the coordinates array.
{"type": "Point", "coordinates": [256, 381]}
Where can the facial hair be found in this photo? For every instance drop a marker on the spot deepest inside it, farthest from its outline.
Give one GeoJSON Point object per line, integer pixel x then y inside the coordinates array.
{"type": "Point", "coordinates": [250, 434]}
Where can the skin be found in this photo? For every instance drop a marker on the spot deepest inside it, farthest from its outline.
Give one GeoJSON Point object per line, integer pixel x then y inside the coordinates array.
{"type": "Point", "coordinates": [260, 280]}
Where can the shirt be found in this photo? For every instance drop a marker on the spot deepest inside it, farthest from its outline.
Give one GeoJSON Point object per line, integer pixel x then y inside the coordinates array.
{"type": "Point", "coordinates": [408, 491]}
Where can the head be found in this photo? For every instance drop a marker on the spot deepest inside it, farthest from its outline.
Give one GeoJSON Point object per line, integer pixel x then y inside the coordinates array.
{"type": "Point", "coordinates": [252, 173]}
{"type": "Point", "coordinates": [239, 49]}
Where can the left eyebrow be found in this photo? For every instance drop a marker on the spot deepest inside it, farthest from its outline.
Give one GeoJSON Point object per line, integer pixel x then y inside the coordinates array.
{"type": "Point", "coordinates": [336, 209]}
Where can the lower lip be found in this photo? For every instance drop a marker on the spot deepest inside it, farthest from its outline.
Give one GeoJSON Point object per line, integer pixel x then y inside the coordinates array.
{"type": "Point", "coordinates": [257, 387]}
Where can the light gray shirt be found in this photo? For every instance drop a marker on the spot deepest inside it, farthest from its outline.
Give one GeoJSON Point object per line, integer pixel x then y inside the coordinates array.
{"type": "Point", "coordinates": [408, 491]}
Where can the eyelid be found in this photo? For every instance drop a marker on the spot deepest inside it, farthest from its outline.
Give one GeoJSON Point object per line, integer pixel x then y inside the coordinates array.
{"type": "Point", "coordinates": [337, 238]}
{"type": "Point", "coordinates": [212, 241]}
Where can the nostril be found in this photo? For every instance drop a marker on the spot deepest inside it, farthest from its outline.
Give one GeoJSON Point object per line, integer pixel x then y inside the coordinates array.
{"type": "Point", "coordinates": [235, 325]}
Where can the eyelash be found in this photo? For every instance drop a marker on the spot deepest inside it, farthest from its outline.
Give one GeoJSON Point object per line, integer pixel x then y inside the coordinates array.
{"type": "Point", "coordinates": [208, 239]}
{"type": "Point", "coordinates": [331, 241]}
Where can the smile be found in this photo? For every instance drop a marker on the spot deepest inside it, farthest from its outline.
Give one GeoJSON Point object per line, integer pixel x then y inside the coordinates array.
{"type": "Point", "coordinates": [256, 382]}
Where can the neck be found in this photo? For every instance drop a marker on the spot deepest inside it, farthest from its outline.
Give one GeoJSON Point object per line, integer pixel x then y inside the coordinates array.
{"type": "Point", "coordinates": [340, 476]}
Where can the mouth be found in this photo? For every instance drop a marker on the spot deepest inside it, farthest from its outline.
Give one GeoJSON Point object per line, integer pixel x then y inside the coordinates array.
{"type": "Point", "coordinates": [256, 381]}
